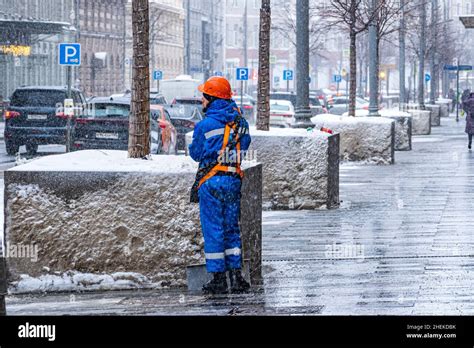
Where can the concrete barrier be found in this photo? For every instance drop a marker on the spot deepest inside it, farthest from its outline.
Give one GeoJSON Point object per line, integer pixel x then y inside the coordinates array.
{"type": "Point", "coordinates": [445, 107]}
{"type": "Point", "coordinates": [129, 225]}
{"type": "Point", "coordinates": [435, 114]}
{"type": "Point", "coordinates": [403, 126]}
{"type": "Point", "coordinates": [369, 139]}
{"type": "Point", "coordinates": [300, 168]}
{"type": "Point", "coordinates": [421, 121]}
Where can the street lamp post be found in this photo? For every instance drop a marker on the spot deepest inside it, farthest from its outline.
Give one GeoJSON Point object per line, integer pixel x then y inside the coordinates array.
{"type": "Point", "coordinates": [421, 70]}
{"type": "Point", "coordinates": [373, 57]}
{"type": "Point", "coordinates": [303, 111]}
{"type": "Point", "coordinates": [402, 96]}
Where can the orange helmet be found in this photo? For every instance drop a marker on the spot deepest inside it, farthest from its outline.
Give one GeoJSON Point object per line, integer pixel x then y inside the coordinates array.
{"type": "Point", "coordinates": [218, 87]}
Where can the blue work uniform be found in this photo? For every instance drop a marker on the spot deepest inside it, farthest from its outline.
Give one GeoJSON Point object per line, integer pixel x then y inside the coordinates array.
{"type": "Point", "coordinates": [219, 196]}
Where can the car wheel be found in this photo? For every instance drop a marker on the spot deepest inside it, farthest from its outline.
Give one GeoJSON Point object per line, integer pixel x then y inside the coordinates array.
{"type": "Point", "coordinates": [12, 148]}
{"type": "Point", "coordinates": [31, 149]}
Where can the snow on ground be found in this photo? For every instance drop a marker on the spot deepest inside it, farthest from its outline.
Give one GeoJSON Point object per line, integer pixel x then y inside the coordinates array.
{"type": "Point", "coordinates": [76, 281]}
{"type": "Point", "coordinates": [109, 161]}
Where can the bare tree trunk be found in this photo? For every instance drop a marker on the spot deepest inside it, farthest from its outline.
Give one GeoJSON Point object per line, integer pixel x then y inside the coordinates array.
{"type": "Point", "coordinates": [139, 131]}
{"type": "Point", "coordinates": [352, 74]}
{"type": "Point", "coordinates": [263, 119]}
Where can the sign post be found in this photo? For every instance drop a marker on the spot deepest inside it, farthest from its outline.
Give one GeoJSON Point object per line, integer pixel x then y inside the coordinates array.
{"type": "Point", "coordinates": [69, 56]}
{"type": "Point", "coordinates": [288, 76]}
{"type": "Point", "coordinates": [158, 76]}
{"type": "Point", "coordinates": [242, 75]}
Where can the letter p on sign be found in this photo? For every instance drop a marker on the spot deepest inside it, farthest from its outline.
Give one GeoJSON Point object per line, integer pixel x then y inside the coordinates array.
{"type": "Point", "coordinates": [70, 54]}
{"type": "Point", "coordinates": [242, 74]}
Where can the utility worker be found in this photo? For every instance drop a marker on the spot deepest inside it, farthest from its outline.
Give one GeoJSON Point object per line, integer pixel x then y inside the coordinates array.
{"type": "Point", "coordinates": [218, 144]}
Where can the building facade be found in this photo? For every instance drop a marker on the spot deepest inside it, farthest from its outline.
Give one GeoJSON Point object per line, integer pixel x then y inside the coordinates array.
{"type": "Point", "coordinates": [167, 19]}
{"type": "Point", "coordinates": [30, 31]}
{"type": "Point", "coordinates": [101, 31]}
{"type": "Point", "coordinates": [236, 41]}
{"type": "Point", "coordinates": [204, 37]}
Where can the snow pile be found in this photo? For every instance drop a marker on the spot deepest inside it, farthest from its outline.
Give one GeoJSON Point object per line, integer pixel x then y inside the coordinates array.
{"type": "Point", "coordinates": [435, 114]}
{"type": "Point", "coordinates": [369, 139]}
{"type": "Point", "coordinates": [109, 161]}
{"type": "Point", "coordinates": [421, 122]}
{"type": "Point", "coordinates": [394, 112]}
{"type": "Point", "coordinates": [297, 168]}
{"type": "Point", "coordinates": [77, 281]}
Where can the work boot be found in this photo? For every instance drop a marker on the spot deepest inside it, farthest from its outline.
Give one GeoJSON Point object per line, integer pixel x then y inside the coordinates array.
{"type": "Point", "coordinates": [218, 285]}
{"type": "Point", "coordinates": [238, 284]}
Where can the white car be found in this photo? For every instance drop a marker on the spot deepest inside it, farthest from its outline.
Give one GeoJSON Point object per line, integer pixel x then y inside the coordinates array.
{"type": "Point", "coordinates": [282, 113]}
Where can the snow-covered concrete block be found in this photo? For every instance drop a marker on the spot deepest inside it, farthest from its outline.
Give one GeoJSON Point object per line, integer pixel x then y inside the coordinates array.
{"type": "Point", "coordinates": [421, 121]}
{"type": "Point", "coordinates": [300, 168]}
{"type": "Point", "coordinates": [403, 126]}
{"type": "Point", "coordinates": [96, 220]}
{"type": "Point", "coordinates": [369, 139]}
{"type": "Point", "coordinates": [435, 114]}
{"type": "Point", "coordinates": [445, 105]}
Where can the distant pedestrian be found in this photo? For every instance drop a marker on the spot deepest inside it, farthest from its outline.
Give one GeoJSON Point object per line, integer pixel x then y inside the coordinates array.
{"type": "Point", "coordinates": [468, 107]}
{"type": "Point", "coordinates": [452, 96]}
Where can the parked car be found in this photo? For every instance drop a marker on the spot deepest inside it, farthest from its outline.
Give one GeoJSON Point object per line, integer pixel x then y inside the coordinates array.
{"type": "Point", "coordinates": [184, 118]}
{"type": "Point", "coordinates": [157, 99]}
{"type": "Point", "coordinates": [340, 105]}
{"type": "Point", "coordinates": [105, 125]}
{"type": "Point", "coordinates": [248, 108]}
{"type": "Point", "coordinates": [282, 113]}
{"type": "Point", "coordinates": [32, 118]}
{"type": "Point", "coordinates": [314, 103]}
{"type": "Point", "coordinates": [194, 101]}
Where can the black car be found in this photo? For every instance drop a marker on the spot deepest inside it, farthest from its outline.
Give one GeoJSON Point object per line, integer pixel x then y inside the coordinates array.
{"type": "Point", "coordinates": [33, 119]}
{"type": "Point", "coordinates": [184, 118]}
{"type": "Point", "coordinates": [105, 125]}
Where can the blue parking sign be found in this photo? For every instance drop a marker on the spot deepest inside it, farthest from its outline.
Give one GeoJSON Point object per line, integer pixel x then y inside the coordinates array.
{"type": "Point", "coordinates": [70, 54]}
{"type": "Point", "coordinates": [337, 78]}
{"type": "Point", "coordinates": [427, 77]}
{"type": "Point", "coordinates": [287, 75]}
{"type": "Point", "coordinates": [157, 75]}
{"type": "Point", "coordinates": [242, 74]}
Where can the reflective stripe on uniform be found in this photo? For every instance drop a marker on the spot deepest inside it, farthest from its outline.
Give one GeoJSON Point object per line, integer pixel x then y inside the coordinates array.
{"type": "Point", "coordinates": [214, 256]}
{"type": "Point", "coordinates": [234, 251]}
{"type": "Point", "coordinates": [213, 133]}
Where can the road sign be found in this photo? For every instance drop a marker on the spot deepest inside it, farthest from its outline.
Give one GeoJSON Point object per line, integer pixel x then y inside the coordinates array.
{"type": "Point", "coordinates": [460, 67]}
{"type": "Point", "coordinates": [465, 67]}
{"type": "Point", "coordinates": [287, 75]}
{"type": "Point", "coordinates": [427, 77]}
{"type": "Point", "coordinates": [450, 67]}
{"type": "Point", "coordinates": [337, 78]}
{"type": "Point", "coordinates": [70, 54]}
{"type": "Point", "coordinates": [242, 74]}
{"type": "Point", "coordinates": [157, 75]}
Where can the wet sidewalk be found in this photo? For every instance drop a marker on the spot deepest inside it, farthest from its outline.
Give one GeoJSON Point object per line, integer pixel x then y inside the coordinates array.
{"type": "Point", "coordinates": [402, 243]}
